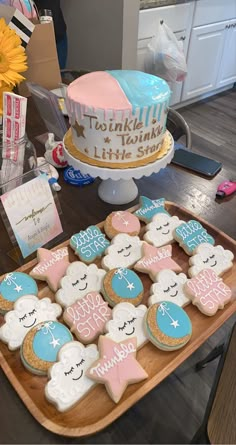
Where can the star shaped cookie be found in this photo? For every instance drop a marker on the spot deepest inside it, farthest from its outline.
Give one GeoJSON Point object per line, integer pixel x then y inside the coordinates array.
{"type": "Point", "coordinates": [149, 208]}
{"type": "Point", "coordinates": [51, 266]}
{"type": "Point", "coordinates": [156, 259]}
{"type": "Point", "coordinates": [117, 366]}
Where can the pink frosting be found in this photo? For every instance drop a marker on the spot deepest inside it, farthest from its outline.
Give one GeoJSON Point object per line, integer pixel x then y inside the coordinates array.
{"type": "Point", "coordinates": [156, 259]}
{"type": "Point", "coordinates": [125, 222]}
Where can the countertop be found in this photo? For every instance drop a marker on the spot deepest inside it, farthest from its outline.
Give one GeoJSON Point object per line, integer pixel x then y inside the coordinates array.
{"type": "Point", "coordinates": [146, 4]}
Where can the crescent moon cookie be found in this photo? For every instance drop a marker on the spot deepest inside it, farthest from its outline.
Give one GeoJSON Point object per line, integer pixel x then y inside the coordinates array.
{"type": "Point", "coordinates": [41, 345]}
{"type": "Point", "coordinates": [169, 287]}
{"type": "Point", "coordinates": [87, 317]}
{"type": "Point", "coordinates": [127, 321]}
{"type": "Point", "coordinates": [122, 222]}
{"type": "Point", "coordinates": [168, 326]}
{"type": "Point", "coordinates": [122, 285]}
{"type": "Point", "coordinates": [68, 382]}
{"type": "Point", "coordinates": [13, 286]}
{"type": "Point", "coordinates": [207, 256]}
{"type": "Point", "coordinates": [155, 259]}
{"type": "Point", "coordinates": [190, 235]}
{"type": "Point", "coordinates": [124, 251]}
{"type": "Point", "coordinates": [117, 366]}
{"type": "Point", "coordinates": [28, 312]}
{"type": "Point", "coordinates": [80, 279]}
{"type": "Point", "coordinates": [149, 208]}
{"type": "Point", "coordinates": [51, 266]}
{"type": "Point", "coordinates": [160, 230]}
{"type": "Point", "coordinates": [208, 292]}
{"type": "Point", "coordinates": [89, 244]}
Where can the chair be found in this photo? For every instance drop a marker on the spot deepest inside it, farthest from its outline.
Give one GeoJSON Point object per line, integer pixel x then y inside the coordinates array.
{"type": "Point", "coordinates": [178, 127]}
{"type": "Point", "coordinates": [219, 424]}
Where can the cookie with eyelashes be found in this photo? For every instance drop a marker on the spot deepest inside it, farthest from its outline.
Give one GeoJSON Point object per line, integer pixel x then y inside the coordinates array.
{"type": "Point", "coordinates": [169, 287]}
{"type": "Point", "coordinates": [124, 251]}
{"type": "Point", "coordinates": [28, 312]}
{"type": "Point", "coordinates": [122, 285]}
{"type": "Point", "coordinates": [127, 321]}
{"type": "Point", "coordinates": [160, 230]}
{"type": "Point", "coordinates": [80, 279]}
{"type": "Point", "coordinates": [68, 382]}
{"type": "Point", "coordinates": [207, 256]}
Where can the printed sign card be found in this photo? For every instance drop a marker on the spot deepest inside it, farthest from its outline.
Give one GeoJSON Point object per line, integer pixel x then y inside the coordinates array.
{"type": "Point", "coordinates": [32, 214]}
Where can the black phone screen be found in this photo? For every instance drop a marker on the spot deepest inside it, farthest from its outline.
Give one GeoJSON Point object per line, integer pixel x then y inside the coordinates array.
{"type": "Point", "coordinates": [196, 162]}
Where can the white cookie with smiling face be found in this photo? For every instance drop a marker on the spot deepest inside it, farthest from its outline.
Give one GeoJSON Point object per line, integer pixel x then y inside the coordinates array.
{"type": "Point", "coordinates": [124, 251]}
{"type": "Point", "coordinates": [208, 256]}
{"type": "Point", "coordinates": [28, 311]}
{"type": "Point", "coordinates": [160, 231]}
{"type": "Point", "coordinates": [68, 381]}
{"type": "Point", "coordinates": [169, 287]}
{"type": "Point", "coordinates": [127, 321]}
{"type": "Point", "coordinates": [79, 280]}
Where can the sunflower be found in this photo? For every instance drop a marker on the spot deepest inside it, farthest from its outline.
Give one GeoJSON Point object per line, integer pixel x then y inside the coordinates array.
{"type": "Point", "coordinates": [4, 88]}
{"type": "Point", "coordinates": [12, 56]}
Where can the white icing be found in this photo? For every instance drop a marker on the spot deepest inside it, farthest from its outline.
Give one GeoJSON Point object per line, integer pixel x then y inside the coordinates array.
{"type": "Point", "coordinates": [160, 231]}
{"type": "Point", "coordinates": [169, 287]}
{"type": "Point", "coordinates": [124, 251]}
{"type": "Point", "coordinates": [215, 257]}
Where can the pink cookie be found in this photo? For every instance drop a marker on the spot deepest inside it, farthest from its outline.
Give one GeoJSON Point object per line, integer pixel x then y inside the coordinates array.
{"type": "Point", "coordinates": [208, 292]}
{"type": "Point", "coordinates": [51, 267]}
{"type": "Point", "coordinates": [122, 222]}
{"type": "Point", "coordinates": [87, 317]}
{"type": "Point", "coordinates": [155, 259]}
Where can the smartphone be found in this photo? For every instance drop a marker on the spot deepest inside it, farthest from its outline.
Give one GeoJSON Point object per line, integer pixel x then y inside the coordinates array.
{"type": "Point", "coordinates": [195, 162]}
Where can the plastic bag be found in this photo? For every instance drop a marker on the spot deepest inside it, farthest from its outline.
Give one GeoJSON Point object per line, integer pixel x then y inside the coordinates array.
{"type": "Point", "coordinates": [27, 7]}
{"type": "Point", "coordinates": [165, 57]}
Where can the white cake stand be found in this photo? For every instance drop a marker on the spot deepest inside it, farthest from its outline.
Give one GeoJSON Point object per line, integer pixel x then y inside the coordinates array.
{"type": "Point", "coordinates": [118, 186]}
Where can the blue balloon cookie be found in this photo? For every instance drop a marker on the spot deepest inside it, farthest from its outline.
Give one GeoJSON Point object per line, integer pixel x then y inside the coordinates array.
{"type": "Point", "coordinates": [13, 286]}
{"type": "Point", "coordinates": [168, 326]}
{"type": "Point", "coordinates": [122, 285]}
{"type": "Point", "coordinates": [89, 244]}
{"type": "Point", "coordinates": [41, 345]}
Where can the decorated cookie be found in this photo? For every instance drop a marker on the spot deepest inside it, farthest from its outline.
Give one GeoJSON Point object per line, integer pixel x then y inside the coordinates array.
{"type": "Point", "coordinates": [160, 231]}
{"type": "Point", "coordinates": [51, 266]}
{"type": "Point", "coordinates": [207, 256]}
{"type": "Point", "coordinates": [122, 285]}
{"type": "Point", "coordinates": [78, 281]}
{"type": "Point", "coordinates": [127, 321]}
{"type": "Point", "coordinates": [124, 251]}
{"type": "Point", "coordinates": [13, 286]}
{"type": "Point", "coordinates": [121, 222]}
{"type": "Point", "coordinates": [149, 208]}
{"type": "Point", "coordinates": [155, 259]}
{"type": "Point", "coordinates": [89, 244]}
{"type": "Point", "coordinates": [28, 311]}
{"type": "Point", "coordinates": [68, 382]}
{"type": "Point", "coordinates": [41, 345]}
{"type": "Point", "coordinates": [87, 317]}
{"type": "Point", "coordinates": [169, 287]}
{"type": "Point", "coordinates": [117, 366]}
{"type": "Point", "coordinates": [168, 326]}
{"type": "Point", "coordinates": [190, 235]}
{"type": "Point", "coordinates": [208, 292]}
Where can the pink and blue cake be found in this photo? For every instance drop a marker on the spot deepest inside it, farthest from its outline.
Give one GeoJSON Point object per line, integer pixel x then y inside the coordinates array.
{"type": "Point", "coordinates": [118, 118]}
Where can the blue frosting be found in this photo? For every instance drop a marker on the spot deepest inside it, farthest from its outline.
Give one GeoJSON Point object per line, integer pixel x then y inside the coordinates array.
{"type": "Point", "coordinates": [150, 207]}
{"type": "Point", "coordinates": [89, 244]}
{"type": "Point", "coordinates": [192, 234]}
{"type": "Point", "coordinates": [143, 91]}
{"type": "Point", "coordinates": [16, 285]}
{"type": "Point", "coordinates": [49, 339]}
{"type": "Point", "coordinates": [126, 283]}
{"type": "Point", "coordinates": [172, 320]}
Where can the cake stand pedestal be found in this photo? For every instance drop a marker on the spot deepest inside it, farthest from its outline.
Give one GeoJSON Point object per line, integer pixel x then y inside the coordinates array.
{"type": "Point", "coordinates": [117, 186]}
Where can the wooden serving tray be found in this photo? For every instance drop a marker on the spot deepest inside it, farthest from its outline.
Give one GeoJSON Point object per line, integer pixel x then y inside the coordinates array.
{"type": "Point", "coordinates": [96, 411]}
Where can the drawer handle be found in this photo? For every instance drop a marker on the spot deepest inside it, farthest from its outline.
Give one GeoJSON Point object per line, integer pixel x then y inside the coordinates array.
{"type": "Point", "coordinates": [184, 37]}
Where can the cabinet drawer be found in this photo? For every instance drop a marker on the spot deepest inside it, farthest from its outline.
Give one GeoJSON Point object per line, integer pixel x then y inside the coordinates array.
{"type": "Point", "coordinates": [212, 11]}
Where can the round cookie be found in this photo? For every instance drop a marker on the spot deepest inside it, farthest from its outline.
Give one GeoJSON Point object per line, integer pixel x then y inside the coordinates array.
{"type": "Point", "coordinates": [13, 286]}
{"type": "Point", "coordinates": [168, 326]}
{"type": "Point", "coordinates": [122, 285]}
{"type": "Point", "coordinates": [122, 222]}
{"type": "Point", "coordinates": [41, 345]}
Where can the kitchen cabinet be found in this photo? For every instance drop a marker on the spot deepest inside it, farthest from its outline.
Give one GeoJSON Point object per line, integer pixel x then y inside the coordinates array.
{"type": "Point", "coordinates": [227, 71]}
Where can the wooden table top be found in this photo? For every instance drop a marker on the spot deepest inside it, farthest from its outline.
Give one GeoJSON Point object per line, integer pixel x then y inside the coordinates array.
{"type": "Point", "coordinates": [82, 207]}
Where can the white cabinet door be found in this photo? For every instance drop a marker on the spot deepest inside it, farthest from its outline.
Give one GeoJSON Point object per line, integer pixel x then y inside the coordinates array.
{"type": "Point", "coordinates": [227, 71]}
{"type": "Point", "coordinates": [204, 58]}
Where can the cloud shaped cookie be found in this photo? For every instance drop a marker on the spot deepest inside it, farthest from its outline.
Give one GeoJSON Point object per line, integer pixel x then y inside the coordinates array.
{"type": "Point", "coordinates": [68, 381]}
{"type": "Point", "coordinates": [215, 257]}
{"type": "Point", "coordinates": [79, 280]}
{"type": "Point", "coordinates": [160, 231]}
{"type": "Point", "coordinates": [28, 311]}
{"type": "Point", "coordinates": [127, 321]}
{"type": "Point", "coordinates": [124, 251]}
{"type": "Point", "coordinates": [169, 287]}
